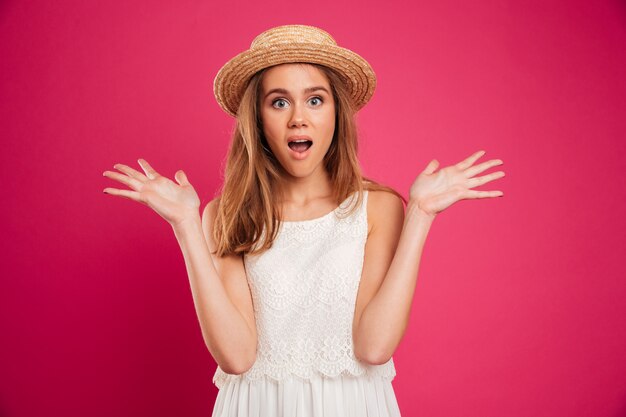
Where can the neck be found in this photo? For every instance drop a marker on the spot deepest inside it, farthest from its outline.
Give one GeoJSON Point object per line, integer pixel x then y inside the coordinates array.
{"type": "Point", "coordinates": [300, 191]}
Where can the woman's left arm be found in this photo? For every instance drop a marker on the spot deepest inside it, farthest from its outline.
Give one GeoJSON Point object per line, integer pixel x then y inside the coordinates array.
{"type": "Point", "coordinates": [394, 248]}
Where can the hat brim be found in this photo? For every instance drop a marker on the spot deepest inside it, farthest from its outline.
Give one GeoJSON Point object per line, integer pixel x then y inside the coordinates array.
{"type": "Point", "coordinates": [231, 80]}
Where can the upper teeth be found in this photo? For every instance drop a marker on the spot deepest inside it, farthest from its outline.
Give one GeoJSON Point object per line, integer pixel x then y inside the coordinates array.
{"type": "Point", "coordinates": [301, 140]}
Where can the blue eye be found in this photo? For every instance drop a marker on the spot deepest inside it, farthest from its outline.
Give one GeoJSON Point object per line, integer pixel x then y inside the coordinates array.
{"type": "Point", "coordinates": [316, 101]}
{"type": "Point", "coordinates": [279, 100]}
{"type": "Point", "coordinates": [281, 103]}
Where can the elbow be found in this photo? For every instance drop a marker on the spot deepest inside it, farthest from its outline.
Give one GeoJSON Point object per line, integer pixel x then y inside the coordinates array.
{"type": "Point", "coordinates": [234, 361]}
{"type": "Point", "coordinates": [238, 366]}
{"type": "Point", "coordinates": [376, 358]}
{"type": "Point", "coordinates": [235, 369]}
{"type": "Point", "coordinates": [373, 355]}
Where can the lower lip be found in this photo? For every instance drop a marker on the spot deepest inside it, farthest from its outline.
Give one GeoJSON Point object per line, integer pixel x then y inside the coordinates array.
{"type": "Point", "coordinates": [300, 155]}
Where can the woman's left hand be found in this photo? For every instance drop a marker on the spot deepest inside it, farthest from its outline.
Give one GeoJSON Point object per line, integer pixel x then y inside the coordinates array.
{"type": "Point", "coordinates": [433, 191]}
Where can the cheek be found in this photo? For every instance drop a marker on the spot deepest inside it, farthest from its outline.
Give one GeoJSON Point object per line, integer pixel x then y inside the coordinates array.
{"type": "Point", "coordinates": [323, 119]}
{"type": "Point", "coordinates": [329, 124]}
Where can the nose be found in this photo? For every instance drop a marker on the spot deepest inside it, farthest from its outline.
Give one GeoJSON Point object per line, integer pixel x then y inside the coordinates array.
{"type": "Point", "coordinates": [298, 116]}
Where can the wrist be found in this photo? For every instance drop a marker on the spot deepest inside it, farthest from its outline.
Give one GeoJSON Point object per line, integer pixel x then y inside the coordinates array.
{"type": "Point", "coordinates": [187, 224]}
{"type": "Point", "coordinates": [413, 209]}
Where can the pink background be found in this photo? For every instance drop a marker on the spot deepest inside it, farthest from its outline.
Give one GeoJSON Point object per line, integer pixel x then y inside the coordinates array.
{"type": "Point", "coordinates": [520, 304]}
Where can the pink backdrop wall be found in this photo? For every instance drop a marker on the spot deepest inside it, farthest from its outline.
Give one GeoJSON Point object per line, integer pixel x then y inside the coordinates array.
{"type": "Point", "coordinates": [519, 308]}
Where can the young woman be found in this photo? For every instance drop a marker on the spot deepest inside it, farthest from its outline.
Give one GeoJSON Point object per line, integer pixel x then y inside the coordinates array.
{"type": "Point", "coordinates": [302, 270]}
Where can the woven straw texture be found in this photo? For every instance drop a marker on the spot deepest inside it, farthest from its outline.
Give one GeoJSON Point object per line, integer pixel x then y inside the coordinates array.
{"type": "Point", "coordinates": [291, 44]}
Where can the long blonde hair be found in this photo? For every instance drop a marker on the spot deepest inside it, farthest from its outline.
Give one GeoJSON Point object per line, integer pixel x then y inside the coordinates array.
{"type": "Point", "coordinates": [247, 209]}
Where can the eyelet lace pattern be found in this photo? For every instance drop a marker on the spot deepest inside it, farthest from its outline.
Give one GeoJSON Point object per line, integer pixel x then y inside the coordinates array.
{"type": "Point", "coordinates": [304, 291]}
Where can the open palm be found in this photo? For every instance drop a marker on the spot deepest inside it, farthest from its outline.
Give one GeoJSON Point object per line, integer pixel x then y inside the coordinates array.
{"type": "Point", "coordinates": [435, 191]}
{"type": "Point", "coordinates": [174, 202]}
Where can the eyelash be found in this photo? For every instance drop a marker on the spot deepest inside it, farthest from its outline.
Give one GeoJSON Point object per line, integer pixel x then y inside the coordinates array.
{"type": "Point", "coordinates": [279, 99]}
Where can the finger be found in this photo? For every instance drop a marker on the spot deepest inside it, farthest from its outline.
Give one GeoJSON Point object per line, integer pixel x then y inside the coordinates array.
{"type": "Point", "coordinates": [131, 195]}
{"type": "Point", "coordinates": [181, 177]}
{"type": "Point", "coordinates": [471, 171]}
{"type": "Point", "coordinates": [483, 194]}
{"type": "Point", "coordinates": [475, 182]}
{"type": "Point", "coordinates": [130, 172]}
{"type": "Point", "coordinates": [431, 167]}
{"type": "Point", "coordinates": [150, 172]}
{"type": "Point", "coordinates": [124, 179]}
{"type": "Point", "coordinates": [470, 160]}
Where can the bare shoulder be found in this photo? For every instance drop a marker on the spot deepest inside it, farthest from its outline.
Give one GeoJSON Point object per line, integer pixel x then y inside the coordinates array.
{"type": "Point", "coordinates": [385, 200]}
{"type": "Point", "coordinates": [384, 209]}
{"type": "Point", "coordinates": [209, 213]}
{"type": "Point", "coordinates": [211, 208]}
{"type": "Point", "coordinates": [224, 264]}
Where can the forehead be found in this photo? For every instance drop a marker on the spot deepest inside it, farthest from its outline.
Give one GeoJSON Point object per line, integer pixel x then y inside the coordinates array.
{"type": "Point", "coordinates": [293, 76]}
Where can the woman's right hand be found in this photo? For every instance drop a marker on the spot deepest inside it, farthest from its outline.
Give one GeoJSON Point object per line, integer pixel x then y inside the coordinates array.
{"type": "Point", "coordinates": [176, 203]}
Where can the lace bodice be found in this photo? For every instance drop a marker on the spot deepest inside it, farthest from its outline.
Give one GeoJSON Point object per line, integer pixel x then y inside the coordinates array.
{"type": "Point", "coordinates": [304, 291]}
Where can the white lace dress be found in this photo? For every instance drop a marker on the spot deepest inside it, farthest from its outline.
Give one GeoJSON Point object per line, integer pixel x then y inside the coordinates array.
{"type": "Point", "coordinates": [304, 291]}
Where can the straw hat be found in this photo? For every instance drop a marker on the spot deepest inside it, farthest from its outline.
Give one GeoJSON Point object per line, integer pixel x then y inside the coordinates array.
{"type": "Point", "coordinates": [289, 44]}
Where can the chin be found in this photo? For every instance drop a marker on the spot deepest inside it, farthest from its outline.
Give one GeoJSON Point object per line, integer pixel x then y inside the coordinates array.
{"type": "Point", "coordinates": [300, 172]}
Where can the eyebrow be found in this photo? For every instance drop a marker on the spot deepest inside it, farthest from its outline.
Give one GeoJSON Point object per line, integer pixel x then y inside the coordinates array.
{"type": "Point", "coordinates": [306, 90]}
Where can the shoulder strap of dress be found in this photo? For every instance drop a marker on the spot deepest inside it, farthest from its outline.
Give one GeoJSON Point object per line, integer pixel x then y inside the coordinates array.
{"type": "Point", "coordinates": [365, 195]}
{"type": "Point", "coordinates": [349, 203]}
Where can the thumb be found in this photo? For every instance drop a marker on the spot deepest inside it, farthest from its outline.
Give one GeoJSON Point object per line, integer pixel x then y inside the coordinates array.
{"type": "Point", "coordinates": [181, 178]}
{"type": "Point", "coordinates": [431, 167]}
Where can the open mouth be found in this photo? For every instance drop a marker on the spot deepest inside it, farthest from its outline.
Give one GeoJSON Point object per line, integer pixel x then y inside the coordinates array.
{"type": "Point", "coordinates": [300, 145]}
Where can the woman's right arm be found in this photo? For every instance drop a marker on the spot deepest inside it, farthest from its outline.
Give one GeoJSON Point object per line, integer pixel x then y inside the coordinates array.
{"type": "Point", "coordinates": [221, 294]}
{"type": "Point", "coordinates": [220, 291]}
